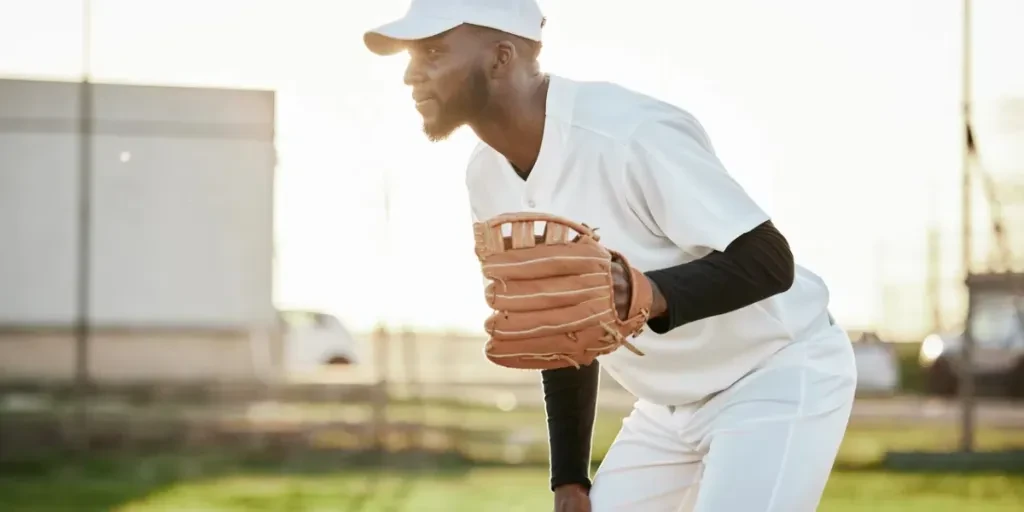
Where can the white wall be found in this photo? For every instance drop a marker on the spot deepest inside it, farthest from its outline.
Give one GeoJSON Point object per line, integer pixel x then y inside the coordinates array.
{"type": "Point", "coordinates": [182, 206]}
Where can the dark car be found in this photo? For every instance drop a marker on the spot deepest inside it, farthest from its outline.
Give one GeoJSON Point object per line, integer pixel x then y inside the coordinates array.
{"type": "Point", "coordinates": [998, 332]}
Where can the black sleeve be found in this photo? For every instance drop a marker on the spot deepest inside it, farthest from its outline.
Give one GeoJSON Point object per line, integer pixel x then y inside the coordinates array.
{"type": "Point", "coordinates": [755, 266]}
{"type": "Point", "coordinates": [570, 401]}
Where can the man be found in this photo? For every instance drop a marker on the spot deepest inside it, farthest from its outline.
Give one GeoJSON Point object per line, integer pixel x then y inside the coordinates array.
{"type": "Point", "coordinates": [746, 385]}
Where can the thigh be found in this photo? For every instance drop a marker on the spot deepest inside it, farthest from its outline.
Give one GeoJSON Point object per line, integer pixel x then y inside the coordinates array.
{"type": "Point", "coordinates": [647, 467]}
{"type": "Point", "coordinates": [773, 450]}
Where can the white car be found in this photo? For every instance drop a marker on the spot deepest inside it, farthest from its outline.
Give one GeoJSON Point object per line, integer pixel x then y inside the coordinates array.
{"type": "Point", "coordinates": [878, 367]}
{"type": "Point", "coordinates": [314, 340]}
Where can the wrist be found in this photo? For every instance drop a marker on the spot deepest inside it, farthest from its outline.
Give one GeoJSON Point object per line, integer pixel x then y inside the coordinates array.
{"type": "Point", "coordinates": [572, 488]}
{"type": "Point", "coordinates": [659, 306]}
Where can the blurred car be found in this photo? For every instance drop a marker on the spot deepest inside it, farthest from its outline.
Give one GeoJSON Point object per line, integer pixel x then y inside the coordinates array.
{"type": "Point", "coordinates": [878, 367]}
{"type": "Point", "coordinates": [998, 332]}
{"type": "Point", "coordinates": [314, 340]}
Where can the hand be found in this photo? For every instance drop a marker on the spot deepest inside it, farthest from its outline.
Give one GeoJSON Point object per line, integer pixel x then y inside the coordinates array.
{"type": "Point", "coordinates": [623, 289]}
{"type": "Point", "coordinates": [571, 498]}
{"type": "Point", "coordinates": [624, 293]}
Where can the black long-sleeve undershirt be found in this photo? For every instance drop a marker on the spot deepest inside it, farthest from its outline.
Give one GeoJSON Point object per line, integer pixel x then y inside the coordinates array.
{"type": "Point", "coordinates": [755, 266]}
{"type": "Point", "coordinates": [570, 400]}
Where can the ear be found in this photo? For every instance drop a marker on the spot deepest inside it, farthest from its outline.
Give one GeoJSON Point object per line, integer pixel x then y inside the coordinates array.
{"type": "Point", "coordinates": [504, 55]}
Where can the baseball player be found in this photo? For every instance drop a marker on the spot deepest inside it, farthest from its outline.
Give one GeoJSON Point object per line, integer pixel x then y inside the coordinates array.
{"type": "Point", "coordinates": [744, 383]}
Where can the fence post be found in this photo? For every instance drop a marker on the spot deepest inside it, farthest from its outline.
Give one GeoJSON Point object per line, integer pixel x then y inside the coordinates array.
{"type": "Point", "coordinates": [413, 387]}
{"type": "Point", "coordinates": [379, 403]}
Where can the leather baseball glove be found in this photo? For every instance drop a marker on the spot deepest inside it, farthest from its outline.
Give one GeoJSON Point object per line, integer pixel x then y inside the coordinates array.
{"type": "Point", "coordinates": [553, 294]}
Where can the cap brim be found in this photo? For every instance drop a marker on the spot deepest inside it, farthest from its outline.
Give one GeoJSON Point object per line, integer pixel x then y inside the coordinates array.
{"type": "Point", "coordinates": [391, 38]}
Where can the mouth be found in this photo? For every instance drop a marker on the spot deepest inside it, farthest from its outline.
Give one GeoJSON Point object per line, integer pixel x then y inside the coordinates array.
{"type": "Point", "coordinates": [421, 96]}
{"type": "Point", "coordinates": [426, 106]}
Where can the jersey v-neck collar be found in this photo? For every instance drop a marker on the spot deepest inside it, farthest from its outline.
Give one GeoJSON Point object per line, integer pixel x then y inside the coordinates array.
{"type": "Point", "coordinates": [558, 109]}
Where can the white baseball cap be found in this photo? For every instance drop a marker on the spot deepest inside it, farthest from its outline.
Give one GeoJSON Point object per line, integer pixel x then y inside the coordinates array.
{"type": "Point", "coordinates": [428, 18]}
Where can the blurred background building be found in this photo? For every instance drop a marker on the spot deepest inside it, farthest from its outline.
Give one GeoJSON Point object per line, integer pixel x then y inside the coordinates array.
{"type": "Point", "coordinates": [165, 257]}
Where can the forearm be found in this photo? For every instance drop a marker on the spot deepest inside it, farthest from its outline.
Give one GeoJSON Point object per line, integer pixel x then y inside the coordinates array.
{"type": "Point", "coordinates": [757, 265]}
{"type": "Point", "coordinates": [570, 399]}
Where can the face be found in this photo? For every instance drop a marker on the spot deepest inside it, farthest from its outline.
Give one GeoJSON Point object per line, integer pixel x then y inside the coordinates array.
{"type": "Point", "coordinates": [449, 81]}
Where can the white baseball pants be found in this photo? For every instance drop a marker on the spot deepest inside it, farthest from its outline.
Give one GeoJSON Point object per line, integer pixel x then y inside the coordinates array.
{"type": "Point", "coordinates": [766, 444]}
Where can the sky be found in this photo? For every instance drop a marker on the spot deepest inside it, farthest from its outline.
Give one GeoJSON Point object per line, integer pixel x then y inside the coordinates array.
{"type": "Point", "coordinates": [840, 118]}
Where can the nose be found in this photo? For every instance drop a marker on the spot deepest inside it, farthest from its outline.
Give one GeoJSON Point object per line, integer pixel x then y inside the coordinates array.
{"type": "Point", "coordinates": [413, 74]}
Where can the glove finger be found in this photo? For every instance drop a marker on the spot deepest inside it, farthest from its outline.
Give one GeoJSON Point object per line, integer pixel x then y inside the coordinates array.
{"type": "Point", "coordinates": [548, 293]}
{"type": "Point", "coordinates": [540, 346]}
{"type": "Point", "coordinates": [547, 261]}
{"type": "Point", "coordinates": [552, 351]}
{"type": "Point", "coordinates": [512, 325]}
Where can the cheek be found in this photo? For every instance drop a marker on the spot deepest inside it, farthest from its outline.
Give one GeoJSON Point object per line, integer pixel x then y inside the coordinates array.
{"type": "Point", "coordinates": [447, 81]}
{"type": "Point", "coordinates": [453, 80]}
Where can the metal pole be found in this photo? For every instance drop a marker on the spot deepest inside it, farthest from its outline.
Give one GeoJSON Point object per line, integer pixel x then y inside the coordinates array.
{"type": "Point", "coordinates": [967, 385]}
{"type": "Point", "coordinates": [84, 218]}
{"type": "Point", "coordinates": [934, 287]}
{"type": "Point", "coordinates": [935, 277]}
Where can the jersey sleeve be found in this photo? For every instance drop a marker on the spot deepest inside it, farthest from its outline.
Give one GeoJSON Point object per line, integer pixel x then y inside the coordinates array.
{"type": "Point", "coordinates": [679, 188]}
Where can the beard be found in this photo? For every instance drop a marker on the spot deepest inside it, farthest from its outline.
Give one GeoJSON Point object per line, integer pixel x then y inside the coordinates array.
{"type": "Point", "coordinates": [460, 109]}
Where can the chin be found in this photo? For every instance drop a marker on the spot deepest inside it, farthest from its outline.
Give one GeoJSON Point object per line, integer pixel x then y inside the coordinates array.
{"type": "Point", "coordinates": [437, 132]}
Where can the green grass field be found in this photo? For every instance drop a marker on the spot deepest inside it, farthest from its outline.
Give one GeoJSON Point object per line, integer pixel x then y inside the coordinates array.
{"type": "Point", "coordinates": [300, 481]}
{"type": "Point", "coordinates": [295, 479]}
{"type": "Point", "coordinates": [467, 490]}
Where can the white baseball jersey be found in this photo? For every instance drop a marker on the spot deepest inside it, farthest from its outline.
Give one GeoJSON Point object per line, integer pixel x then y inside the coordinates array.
{"type": "Point", "coordinates": [645, 174]}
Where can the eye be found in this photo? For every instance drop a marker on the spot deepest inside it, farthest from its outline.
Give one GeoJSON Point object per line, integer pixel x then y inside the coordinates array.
{"type": "Point", "coordinates": [428, 53]}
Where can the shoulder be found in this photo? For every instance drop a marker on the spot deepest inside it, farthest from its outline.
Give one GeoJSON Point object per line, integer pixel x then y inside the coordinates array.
{"type": "Point", "coordinates": [630, 117]}
{"type": "Point", "coordinates": [650, 137]}
{"type": "Point", "coordinates": [672, 129]}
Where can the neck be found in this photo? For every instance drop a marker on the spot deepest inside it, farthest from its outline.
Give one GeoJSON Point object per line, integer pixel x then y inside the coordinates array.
{"type": "Point", "coordinates": [514, 125]}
